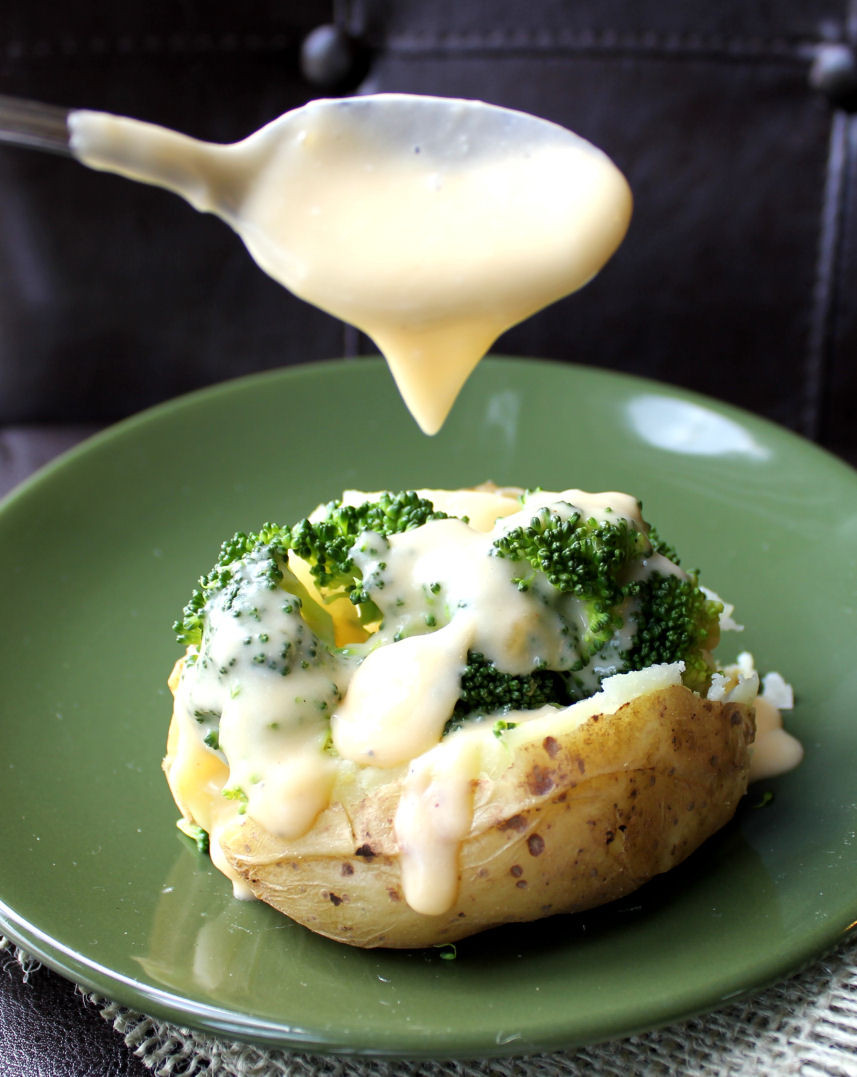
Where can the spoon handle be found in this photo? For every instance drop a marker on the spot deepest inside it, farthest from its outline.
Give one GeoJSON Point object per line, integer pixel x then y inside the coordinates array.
{"type": "Point", "coordinates": [32, 124]}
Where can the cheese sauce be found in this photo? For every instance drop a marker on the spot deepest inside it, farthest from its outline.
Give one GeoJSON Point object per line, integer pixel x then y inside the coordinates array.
{"type": "Point", "coordinates": [775, 750]}
{"type": "Point", "coordinates": [250, 741]}
{"type": "Point", "coordinates": [433, 243]}
{"type": "Point", "coordinates": [433, 817]}
{"type": "Point", "coordinates": [401, 696]}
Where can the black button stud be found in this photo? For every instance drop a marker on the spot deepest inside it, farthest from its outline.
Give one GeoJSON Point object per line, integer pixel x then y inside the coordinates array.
{"type": "Point", "coordinates": [834, 74]}
{"type": "Point", "coordinates": [333, 60]}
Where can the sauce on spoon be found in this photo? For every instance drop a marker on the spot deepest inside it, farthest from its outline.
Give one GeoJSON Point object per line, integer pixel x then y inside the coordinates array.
{"type": "Point", "coordinates": [433, 225]}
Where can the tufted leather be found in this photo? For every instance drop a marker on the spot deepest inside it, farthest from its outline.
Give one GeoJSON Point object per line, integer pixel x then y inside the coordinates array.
{"type": "Point", "coordinates": [47, 1029]}
{"type": "Point", "coordinates": [737, 277]}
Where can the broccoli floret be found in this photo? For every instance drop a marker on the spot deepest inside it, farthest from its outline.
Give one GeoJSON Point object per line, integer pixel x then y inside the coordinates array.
{"type": "Point", "coordinates": [327, 544]}
{"type": "Point", "coordinates": [254, 560]}
{"type": "Point", "coordinates": [662, 547]}
{"type": "Point", "coordinates": [195, 833]}
{"type": "Point", "coordinates": [577, 556]}
{"type": "Point", "coordinates": [607, 587]}
{"type": "Point", "coordinates": [487, 690]}
{"type": "Point", "coordinates": [267, 549]}
{"type": "Point", "coordinates": [676, 621]}
{"type": "Point", "coordinates": [600, 564]}
{"type": "Point", "coordinates": [585, 558]}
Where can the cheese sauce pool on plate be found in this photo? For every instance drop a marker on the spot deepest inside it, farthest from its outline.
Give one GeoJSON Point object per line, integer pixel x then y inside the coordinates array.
{"type": "Point", "coordinates": [432, 238]}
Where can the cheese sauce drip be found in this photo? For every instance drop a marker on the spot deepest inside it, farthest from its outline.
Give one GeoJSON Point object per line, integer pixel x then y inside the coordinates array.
{"type": "Point", "coordinates": [266, 716]}
{"type": "Point", "coordinates": [433, 817]}
{"type": "Point", "coordinates": [433, 245]}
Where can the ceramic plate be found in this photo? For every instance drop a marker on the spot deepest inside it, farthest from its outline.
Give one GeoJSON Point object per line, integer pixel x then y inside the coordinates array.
{"type": "Point", "coordinates": [100, 552]}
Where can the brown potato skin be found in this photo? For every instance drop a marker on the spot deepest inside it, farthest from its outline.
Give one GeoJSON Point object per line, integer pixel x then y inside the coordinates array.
{"type": "Point", "coordinates": [570, 823]}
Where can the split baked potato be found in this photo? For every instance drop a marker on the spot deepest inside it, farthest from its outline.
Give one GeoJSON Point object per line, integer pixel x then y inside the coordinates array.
{"type": "Point", "coordinates": [400, 727]}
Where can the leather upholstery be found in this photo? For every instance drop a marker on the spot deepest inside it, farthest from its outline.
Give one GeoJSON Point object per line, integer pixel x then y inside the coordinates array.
{"type": "Point", "coordinates": [737, 277]}
{"type": "Point", "coordinates": [47, 1029]}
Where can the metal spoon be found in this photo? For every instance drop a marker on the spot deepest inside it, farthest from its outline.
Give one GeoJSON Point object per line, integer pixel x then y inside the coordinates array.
{"type": "Point", "coordinates": [34, 125]}
{"type": "Point", "coordinates": [433, 224]}
{"type": "Point", "coordinates": [448, 130]}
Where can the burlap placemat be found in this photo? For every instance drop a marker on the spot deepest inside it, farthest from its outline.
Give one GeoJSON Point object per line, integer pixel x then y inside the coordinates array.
{"type": "Point", "coordinates": [806, 1025]}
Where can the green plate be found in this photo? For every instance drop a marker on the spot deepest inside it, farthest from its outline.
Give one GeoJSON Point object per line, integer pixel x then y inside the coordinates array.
{"type": "Point", "coordinates": [100, 552]}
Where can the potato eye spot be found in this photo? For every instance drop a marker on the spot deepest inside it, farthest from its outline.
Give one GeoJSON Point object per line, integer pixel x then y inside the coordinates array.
{"type": "Point", "coordinates": [515, 822]}
{"type": "Point", "coordinates": [536, 844]}
{"type": "Point", "coordinates": [540, 781]}
{"type": "Point", "coordinates": [551, 746]}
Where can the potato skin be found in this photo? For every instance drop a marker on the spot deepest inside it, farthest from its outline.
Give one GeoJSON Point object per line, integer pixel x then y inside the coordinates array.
{"type": "Point", "coordinates": [568, 823]}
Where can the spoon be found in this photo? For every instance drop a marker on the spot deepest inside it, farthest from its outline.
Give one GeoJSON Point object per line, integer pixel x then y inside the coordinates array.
{"type": "Point", "coordinates": [34, 125]}
{"type": "Point", "coordinates": [432, 224]}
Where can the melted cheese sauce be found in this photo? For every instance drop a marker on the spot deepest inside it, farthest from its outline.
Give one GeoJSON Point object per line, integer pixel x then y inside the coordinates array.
{"type": "Point", "coordinates": [431, 249]}
{"type": "Point", "coordinates": [433, 817]}
{"type": "Point", "coordinates": [401, 695]}
{"type": "Point", "coordinates": [774, 751]}
{"type": "Point", "coordinates": [382, 704]}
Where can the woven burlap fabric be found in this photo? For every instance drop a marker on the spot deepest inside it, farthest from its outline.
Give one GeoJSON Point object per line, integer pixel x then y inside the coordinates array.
{"type": "Point", "coordinates": [806, 1026]}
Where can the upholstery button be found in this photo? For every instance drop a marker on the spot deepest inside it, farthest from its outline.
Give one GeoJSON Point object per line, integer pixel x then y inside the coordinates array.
{"type": "Point", "coordinates": [332, 60]}
{"type": "Point", "coordinates": [834, 73]}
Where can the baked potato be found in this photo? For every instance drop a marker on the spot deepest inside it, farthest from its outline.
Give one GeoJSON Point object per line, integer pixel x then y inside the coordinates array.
{"type": "Point", "coordinates": [409, 755]}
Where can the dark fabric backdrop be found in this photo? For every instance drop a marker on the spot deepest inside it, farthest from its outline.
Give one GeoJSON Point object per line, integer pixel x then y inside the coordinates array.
{"type": "Point", "coordinates": [733, 280]}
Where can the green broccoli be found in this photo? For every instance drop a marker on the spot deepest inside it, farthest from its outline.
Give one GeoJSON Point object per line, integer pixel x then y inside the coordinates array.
{"type": "Point", "coordinates": [327, 544]}
{"type": "Point", "coordinates": [252, 560]}
{"type": "Point", "coordinates": [487, 690]}
{"type": "Point", "coordinates": [675, 621]}
{"type": "Point", "coordinates": [586, 558]}
{"type": "Point", "coordinates": [594, 572]}
{"type": "Point", "coordinates": [195, 833]}
{"type": "Point", "coordinates": [266, 550]}
{"type": "Point", "coordinates": [611, 585]}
